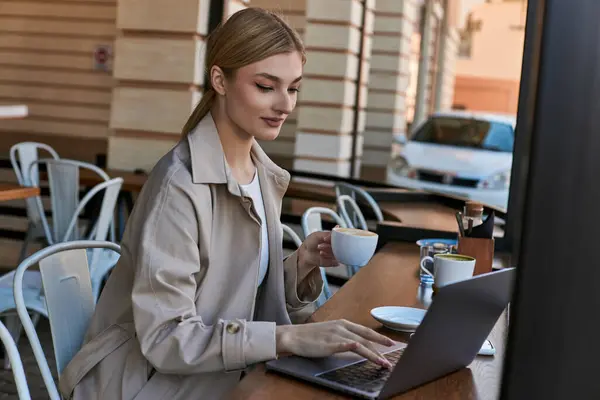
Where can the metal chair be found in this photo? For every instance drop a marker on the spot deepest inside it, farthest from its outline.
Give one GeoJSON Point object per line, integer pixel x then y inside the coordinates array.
{"type": "Point", "coordinates": [63, 179]}
{"type": "Point", "coordinates": [311, 222]}
{"type": "Point", "coordinates": [22, 155]}
{"type": "Point", "coordinates": [357, 193]}
{"type": "Point", "coordinates": [12, 352]}
{"type": "Point", "coordinates": [292, 234]}
{"type": "Point", "coordinates": [359, 220]}
{"type": "Point", "coordinates": [69, 301]}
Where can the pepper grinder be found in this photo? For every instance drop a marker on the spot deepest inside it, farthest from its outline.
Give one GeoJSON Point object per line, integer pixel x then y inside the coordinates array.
{"type": "Point", "coordinates": [472, 216]}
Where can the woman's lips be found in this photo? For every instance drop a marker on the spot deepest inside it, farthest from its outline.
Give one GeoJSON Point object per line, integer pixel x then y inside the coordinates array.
{"type": "Point", "coordinates": [273, 122]}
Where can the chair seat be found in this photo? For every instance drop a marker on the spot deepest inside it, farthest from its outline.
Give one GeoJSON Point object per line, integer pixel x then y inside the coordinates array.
{"type": "Point", "coordinates": [31, 280]}
{"type": "Point", "coordinates": [34, 300]}
{"type": "Point", "coordinates": [32, 283]}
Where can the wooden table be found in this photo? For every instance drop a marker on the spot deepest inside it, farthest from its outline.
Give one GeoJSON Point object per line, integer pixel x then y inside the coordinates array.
{"type": "Point", "coordinates": [433, 216]}
{"type": "Point", "coordinates": [389, 279]}
{"type": "Point", "coordinates": [301, 195]}
{"type": "Point", "coordinates": [10, 191]}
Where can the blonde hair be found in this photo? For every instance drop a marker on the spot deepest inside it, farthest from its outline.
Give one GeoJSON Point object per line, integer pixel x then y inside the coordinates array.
{"type": "Point", "coordinates": [248, 36]}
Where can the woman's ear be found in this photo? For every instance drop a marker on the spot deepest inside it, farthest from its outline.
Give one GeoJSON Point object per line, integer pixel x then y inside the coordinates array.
{"type": "Point", "coordinates": [217, 80]}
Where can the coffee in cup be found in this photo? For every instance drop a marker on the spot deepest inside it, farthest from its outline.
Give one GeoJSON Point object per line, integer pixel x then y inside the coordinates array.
{"type": "Point", "coordinates": [449, 268]}
{"type": "Point", "coordinates": [352, 246]}
{"type": "Point", "coordinates": [355, 232]}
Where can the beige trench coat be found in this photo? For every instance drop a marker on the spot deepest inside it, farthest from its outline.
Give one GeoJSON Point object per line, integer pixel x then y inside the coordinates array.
{"type": "Point", "coordinates": [181, 315]}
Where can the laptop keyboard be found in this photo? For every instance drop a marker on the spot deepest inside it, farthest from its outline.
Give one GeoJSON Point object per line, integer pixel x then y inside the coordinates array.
{"type": "Point", "coordinates": [365, 375]}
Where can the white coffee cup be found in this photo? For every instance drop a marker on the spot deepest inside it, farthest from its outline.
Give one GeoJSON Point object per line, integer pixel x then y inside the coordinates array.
{"type": "Point", "coordinates": [353, 247]}
{"type": "Point", "coordinates": [449, 268]}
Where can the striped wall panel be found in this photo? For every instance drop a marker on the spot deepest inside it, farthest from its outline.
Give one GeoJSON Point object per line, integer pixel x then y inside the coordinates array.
{"type": "Point", "coordinates": [388, 82]}
{"type": "Point", "coordinates": [46, 62]}
{"type": "Point", "coordinates": [328, 105]}
{"type": "Point", "coordinates": [159, 77]}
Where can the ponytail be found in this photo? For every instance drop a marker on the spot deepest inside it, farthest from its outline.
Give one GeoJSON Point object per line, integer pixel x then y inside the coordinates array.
{"type": "Point", "coordinates": [200, 111]}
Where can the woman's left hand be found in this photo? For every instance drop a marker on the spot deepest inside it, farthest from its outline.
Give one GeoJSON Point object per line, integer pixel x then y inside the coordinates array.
{"type": "Point", "coordinates": [315, 252]}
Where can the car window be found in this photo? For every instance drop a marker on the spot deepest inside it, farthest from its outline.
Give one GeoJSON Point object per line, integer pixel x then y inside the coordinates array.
{"type": "Point", "coordinates": [463, 132]}
{"type": "Point", "coordinates": [500, 137]}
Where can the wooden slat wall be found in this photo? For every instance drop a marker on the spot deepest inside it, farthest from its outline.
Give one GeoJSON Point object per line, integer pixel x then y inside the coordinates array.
{"type": "Point", "coordinates": [46, 62]}
{"type": "Point", "coordinates": [160, 76]}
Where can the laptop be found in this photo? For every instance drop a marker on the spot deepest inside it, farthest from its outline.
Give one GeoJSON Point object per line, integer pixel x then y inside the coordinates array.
{"type": "Point", "coordinates": [458, 321]}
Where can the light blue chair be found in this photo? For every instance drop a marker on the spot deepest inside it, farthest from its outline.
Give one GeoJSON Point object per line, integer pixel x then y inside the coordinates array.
{"type": "Point", "coordinates": [66, 207]}
{"type": "Point", "coordinates": [357, 194]}
{"type": "Point", "coordinates": [63, 179]}
{"type": "Point", "coordinates": [22, 156]}
{"type": "Point", "coordinates": [292, 235]}
{"type": "Point", "coordinates": [11, 350]}
{"type": "Point", "coordinates": [68, 297]}
{"type": "Point", "coordinates": [354, 217]}
{"type": "Point", "coordinates": [311, 222]}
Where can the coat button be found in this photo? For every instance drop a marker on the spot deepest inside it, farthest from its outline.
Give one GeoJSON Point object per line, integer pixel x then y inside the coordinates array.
{"type": "Point", "coordinates": [233, 328]}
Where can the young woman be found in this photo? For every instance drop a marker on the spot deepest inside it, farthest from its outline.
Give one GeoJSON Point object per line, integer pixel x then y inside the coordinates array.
{"type": "Point", "coordinates": [201, 290]}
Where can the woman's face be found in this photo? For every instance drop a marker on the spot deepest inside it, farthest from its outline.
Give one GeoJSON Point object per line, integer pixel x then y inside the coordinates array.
{"type": "Point", "coordinates": [260, 96]}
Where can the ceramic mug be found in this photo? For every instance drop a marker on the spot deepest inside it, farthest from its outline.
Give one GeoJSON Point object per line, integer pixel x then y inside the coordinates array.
{"type": "Point", "coordinates": [449, 268]}
{"type": "Point", "coordinates": [430, 250]}
{"type": "Point", "coordinates": [353, 247]}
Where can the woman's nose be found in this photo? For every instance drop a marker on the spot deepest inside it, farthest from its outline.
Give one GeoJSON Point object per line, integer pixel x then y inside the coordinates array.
{"type": "Point", "coordinates": [286, 103]}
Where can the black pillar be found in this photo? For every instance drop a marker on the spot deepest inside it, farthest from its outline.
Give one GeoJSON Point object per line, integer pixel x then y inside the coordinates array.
{"type": "Point", "coordinates": [553, 350]}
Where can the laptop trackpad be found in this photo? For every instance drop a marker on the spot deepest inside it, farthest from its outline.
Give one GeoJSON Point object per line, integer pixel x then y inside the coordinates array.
{"type": "Point", "coordinates": [301, 366]}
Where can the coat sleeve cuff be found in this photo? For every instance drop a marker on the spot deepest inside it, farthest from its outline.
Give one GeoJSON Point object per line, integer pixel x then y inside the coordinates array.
{"type": "Point", "coordinates": [300, 294]}
{"type": "Point", "coordinates": [246, 343]}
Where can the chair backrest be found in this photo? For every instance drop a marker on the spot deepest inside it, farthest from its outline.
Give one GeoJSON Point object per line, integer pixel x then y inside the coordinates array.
{"type": "Point", "coordinates": [63, 179]}
{"type": "Point", "coordinates": [292, 234]}
{"type": "Point", "coordinates": [311, 219]}
{"type": "Point", "coordinates": [359, 220]}
{"type": "Point", "coordinates": [105, 219]}
{"type": "Point", "coordinates": [355, 192]}
{"type": "Point", "coordinates": [10, 348]}
{"type": "Point", "coordinates": [21, 156]}
{"type": "Point", "coordinates": [69, 300]}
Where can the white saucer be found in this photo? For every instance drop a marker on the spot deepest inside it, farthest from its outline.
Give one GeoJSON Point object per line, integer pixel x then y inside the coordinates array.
{"type": "Point", "coordinates": [403, 319]}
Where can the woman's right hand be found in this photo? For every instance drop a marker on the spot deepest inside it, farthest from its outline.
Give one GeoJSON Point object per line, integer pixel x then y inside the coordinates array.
{"type": "Point", "coordinates": [321, 339]}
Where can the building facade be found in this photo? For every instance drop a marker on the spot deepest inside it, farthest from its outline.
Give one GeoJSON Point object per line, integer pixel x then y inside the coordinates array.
{"type": "Point", "coordinates": [488, 69]}
{"type": "Point", "coordinates": [120, 77]}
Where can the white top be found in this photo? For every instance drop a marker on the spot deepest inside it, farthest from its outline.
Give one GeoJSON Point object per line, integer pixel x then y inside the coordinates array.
{"type": "Point", "coordinates": [253, 190]}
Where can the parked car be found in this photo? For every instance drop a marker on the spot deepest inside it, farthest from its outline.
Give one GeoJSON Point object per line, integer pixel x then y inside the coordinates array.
{"type": "Point", "coordinates": [460, 153]}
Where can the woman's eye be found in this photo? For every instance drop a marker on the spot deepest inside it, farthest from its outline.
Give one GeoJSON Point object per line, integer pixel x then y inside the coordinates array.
{"type": "Point", "coordinates": [264, 88]}
{"type": "Point", "coordinates": [294, 90]}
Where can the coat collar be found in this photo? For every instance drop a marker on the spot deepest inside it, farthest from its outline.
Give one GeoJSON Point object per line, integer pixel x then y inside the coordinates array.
{"type": "Point", "coordinates": [210, 166]}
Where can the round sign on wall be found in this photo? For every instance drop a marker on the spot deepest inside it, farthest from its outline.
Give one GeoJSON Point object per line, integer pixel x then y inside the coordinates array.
{"type": "Point", "coordinates": [102, 57]}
